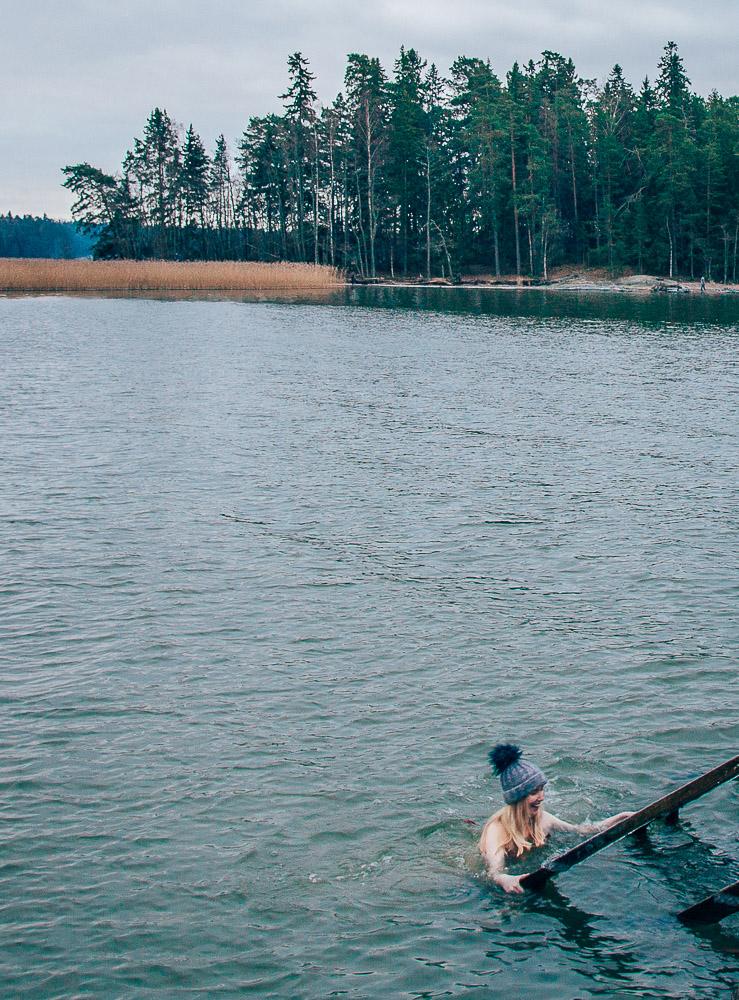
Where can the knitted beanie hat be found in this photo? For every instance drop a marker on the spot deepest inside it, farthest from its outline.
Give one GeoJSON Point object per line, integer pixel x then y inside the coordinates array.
{"type": "Point", "coordinates": [518, 778]}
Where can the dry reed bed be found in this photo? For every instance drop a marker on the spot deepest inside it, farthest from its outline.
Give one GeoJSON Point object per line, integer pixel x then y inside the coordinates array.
{"type": "Point", "coordinates": [40, 275]}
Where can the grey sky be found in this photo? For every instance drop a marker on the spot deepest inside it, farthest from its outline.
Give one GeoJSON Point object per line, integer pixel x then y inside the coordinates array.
{"type": "Point", "coordinates": [78, 78]}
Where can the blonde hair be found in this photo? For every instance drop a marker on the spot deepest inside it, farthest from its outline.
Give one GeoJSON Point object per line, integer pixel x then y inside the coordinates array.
{"type": "Point", "coordinates": [521, 832]}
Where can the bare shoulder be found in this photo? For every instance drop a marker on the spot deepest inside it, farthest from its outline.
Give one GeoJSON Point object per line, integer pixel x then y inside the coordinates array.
{"type": "Point", "coordinates": [492, 836]}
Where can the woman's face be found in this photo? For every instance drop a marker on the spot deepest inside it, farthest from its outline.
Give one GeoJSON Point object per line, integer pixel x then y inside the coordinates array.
{"type": "Point", "coordinates": [535, 800]}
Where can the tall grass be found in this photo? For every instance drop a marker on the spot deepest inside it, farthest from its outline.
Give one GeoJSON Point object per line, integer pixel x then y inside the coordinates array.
{"type": "Point", "coordinates": [31, 275]}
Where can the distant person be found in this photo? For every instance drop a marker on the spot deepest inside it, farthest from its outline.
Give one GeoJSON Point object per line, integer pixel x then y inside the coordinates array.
{"type": "Point", "coordinates": [522, 823]}
{"type": "Point", "coordinates": [703, 283]}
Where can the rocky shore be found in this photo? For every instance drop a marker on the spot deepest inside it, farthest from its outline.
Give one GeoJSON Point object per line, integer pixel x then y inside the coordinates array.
{"type": "Point", "coordinates": [566, 280]}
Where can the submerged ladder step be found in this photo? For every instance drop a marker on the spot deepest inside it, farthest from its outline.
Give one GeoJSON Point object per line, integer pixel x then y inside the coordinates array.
{"type": "Point", "coordinates": [713, 908]}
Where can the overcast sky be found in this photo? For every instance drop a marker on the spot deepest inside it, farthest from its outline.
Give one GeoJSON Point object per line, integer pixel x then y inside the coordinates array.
{"type": "Point", "coordinates": [79, 77]}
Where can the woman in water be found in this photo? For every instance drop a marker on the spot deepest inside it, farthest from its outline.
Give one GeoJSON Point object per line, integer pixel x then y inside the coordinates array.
{"type": "Point", "coordinates": [522, 823]}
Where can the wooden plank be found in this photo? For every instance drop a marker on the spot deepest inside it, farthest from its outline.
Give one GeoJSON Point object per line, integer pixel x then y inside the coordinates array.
{"type": "Point", "coordinates": [713, 908]}
{"type": "Point", "coordinates": [655, 810]}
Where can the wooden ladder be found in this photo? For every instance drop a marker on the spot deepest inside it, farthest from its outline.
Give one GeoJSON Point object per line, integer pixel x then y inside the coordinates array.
{"type": "Point", "coordinates": [724, 902]}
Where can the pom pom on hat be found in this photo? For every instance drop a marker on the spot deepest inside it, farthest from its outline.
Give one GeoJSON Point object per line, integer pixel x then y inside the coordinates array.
{"type": "Point", "coordinates": [503, 755]}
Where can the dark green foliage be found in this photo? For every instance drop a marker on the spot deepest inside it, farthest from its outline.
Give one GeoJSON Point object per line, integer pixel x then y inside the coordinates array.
{"type": "Point", "coordinates": [480, 147]}
{"type": "Point", "coordinates": [406, 157]}
{"type": "Point", "coordinates": [301, 138]}
{"type": "Point", "coordinates": [615, 170]}
{"type": "Point", "coordinates": [29, 236]}
{"type": "Point", "coordinates": [365, 136]}
{"type": "Point", "coordinates": [194, 192]}
{"type": "Point", "coordinates": [418, 174]}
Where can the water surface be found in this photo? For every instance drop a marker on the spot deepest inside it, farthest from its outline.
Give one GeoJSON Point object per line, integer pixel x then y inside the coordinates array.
{"type": "Point", "coordinates": [275, 577]}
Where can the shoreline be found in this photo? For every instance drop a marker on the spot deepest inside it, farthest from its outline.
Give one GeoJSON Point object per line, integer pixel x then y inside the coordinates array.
{"type": "Point", "coordinates": [83, 276]}
{"type": "Point", "coordinates": [214, 291]}
{"type": "Point", "coordinates": [632, 285]}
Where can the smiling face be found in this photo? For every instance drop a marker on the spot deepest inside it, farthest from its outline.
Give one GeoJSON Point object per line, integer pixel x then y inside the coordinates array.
{"type": "Point", "coordinates": [534, 801]}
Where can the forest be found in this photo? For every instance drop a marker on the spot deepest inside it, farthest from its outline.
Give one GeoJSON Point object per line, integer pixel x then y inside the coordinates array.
{"type": "Point", "coordinates": [38, 236]}
{"type": "Point", "coordinates": [417, 174]}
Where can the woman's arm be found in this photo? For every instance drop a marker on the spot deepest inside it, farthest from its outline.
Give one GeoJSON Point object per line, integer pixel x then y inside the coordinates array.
{"type": "Point", "coordinates": [554, 823]}
{"type": "Point", "coordinates": [493, 854]}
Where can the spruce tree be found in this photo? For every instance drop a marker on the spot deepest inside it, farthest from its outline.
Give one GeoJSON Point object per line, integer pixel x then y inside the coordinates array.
{"type": "Point", "coordinates": [194, 190]}
{"type": "Point", "coordinates": [300, 118]}
{"type": "Point", "coordinates": [407, 154]}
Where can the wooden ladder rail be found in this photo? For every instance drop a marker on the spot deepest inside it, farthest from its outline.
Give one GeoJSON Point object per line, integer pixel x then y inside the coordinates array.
{"type": "Point", "coordinates": [713, 908]}
{"type": "Point", "coordinates": [666, 807]}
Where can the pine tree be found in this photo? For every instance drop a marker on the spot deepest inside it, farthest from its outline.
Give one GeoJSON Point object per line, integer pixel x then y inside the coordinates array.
{"type": "Point", "coordinates": [155, 166]}
{"type": "Point", "coordinates": [262, 160]}
{"type": "Point", "coordinates": [645, 112]}
{"type": "Point", "coordinates": [222, 200]}
{"type": "Point", "coordinates": [300, 116]}
{"type": "Point", "coordinates": [613, 169]}
{"type": "Point", "coordinates": [439, 222]}
{"type": "Point", "coordinates": [673, 160]}
{"type": "Point", "coordinates": [333, 133]}
{"type": "Point", "coordinates": [407, 153]}
{"type": "Point", "coordinates": [367, 105]}
{"type": "Point", "coordinates": [718, 185]}
{"type": "Point", "coordinates": [103, 208]}
{"type": "Point", "coordinates": [484, 133]}
{"type": "Point", "coordinates": [194, 189]}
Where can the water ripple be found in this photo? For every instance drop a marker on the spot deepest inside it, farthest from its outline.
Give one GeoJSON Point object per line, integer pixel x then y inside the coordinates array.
{"type": "Point", "coordinates": [276, 575]}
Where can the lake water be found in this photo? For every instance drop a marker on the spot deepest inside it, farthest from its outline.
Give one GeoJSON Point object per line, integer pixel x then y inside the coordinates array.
{"type": "Point", "coordinates": [275, 577]}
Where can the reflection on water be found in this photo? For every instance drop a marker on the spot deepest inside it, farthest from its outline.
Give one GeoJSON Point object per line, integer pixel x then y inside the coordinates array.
{"type": "Point", "coordinates": [579, 931]}
{"type": "Point", "coordinates": [541, 302]}
{"type": "Point", "coordinates": [276, 575]}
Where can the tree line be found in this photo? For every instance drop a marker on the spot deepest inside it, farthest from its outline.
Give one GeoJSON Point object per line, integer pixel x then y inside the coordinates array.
{"type": "Point", "coordinates": [417, 173]}
{"type": "Point", "coordinates": [34, 236]}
